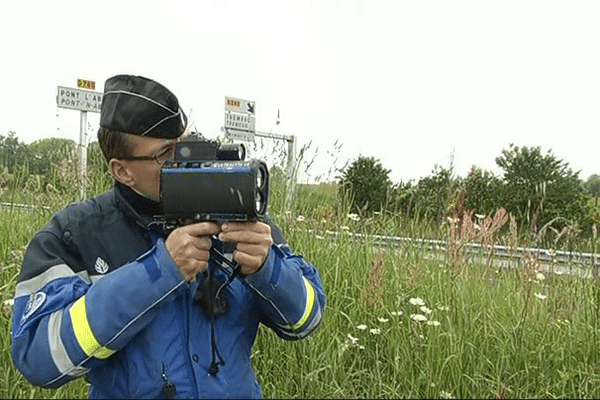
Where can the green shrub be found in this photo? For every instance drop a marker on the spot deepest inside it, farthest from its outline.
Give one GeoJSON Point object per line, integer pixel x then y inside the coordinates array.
{"type": "Point", "coordinates": [367, 183]}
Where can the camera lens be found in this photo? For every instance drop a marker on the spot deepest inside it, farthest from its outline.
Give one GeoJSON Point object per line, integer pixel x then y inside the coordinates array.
{"type": "Point", "coordinates": [260, 177]}
{"type": "Point", "coordinates": [259, 203]}
{"type": "Point", "coordinates": [231, 152]}
{"type": "Point", "coordinates": [185, 152]}
{"type": "Point", "coordinates": [241, 152]}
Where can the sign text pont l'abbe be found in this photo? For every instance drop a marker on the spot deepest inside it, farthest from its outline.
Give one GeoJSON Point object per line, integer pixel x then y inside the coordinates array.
{"type": "Point", "coordinates": [76, 99]}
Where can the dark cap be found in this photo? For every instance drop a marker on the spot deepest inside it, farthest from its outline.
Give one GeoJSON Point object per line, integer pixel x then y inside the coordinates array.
{"type": "Point", "coordinates": [141, 106]}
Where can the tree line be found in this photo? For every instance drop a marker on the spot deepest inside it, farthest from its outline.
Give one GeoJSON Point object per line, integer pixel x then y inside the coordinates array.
{"type": "Point", "coordinates": [48, 164]}
{"type": "Point", "coordinates": [38, 156]}
{"type": "Point", "coordinates": [539, 189]}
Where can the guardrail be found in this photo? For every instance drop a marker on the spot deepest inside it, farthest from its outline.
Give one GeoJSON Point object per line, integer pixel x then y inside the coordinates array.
{"type": "Point", "coordinates": [22, 206]}
{"type": "Point", "coordinates": [542, 255]}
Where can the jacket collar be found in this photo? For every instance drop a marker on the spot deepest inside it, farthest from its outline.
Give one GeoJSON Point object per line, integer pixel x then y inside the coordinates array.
{"type": "Point", "coordinates": [140, 208]}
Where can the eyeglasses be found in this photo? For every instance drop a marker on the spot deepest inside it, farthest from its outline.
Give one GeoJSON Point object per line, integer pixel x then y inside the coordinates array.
{"type": "Point", "coordinates": [166, 154]}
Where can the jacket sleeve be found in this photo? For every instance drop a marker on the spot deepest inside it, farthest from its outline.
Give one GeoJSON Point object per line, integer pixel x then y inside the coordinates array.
{"type": "Point", "coordinates": [64, 325]}
{"type": "Point", "coordinates": [289, 292]}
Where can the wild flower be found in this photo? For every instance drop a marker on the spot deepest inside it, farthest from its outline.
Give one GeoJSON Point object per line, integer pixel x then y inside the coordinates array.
{"type": "Point", "coordinates": [434, 323]}
{"type": "Point", "coordinates": [344, 228]}
{"type": "Point", "coordinates": [352, 342]}
{"type": "Point", "coordinates": [380, 319]}
{"type": "Point", "coordinates": [541, 296]}
{"type": "Point", "coordinates": [361, 327]}
{"type": "Point", "coordinates": [375, 331]}
{"type": "Point", "coordinates": [539, 276]}
{"type": "Point", "coordinates": [396, 313]}
{"type": "Point", "coordinates": [7, 306]}
{"type": "Point", "coordinates": [425, 310]}
{"type": "Point", "coordinates": [416, 301]}
{"type": "Point", "coordinates": [443, 308]}
{"type": "Point", "coordinates": [300, 218]}
{"type": "Point", "coordinates": [354, 217]}
{"type": "Point", "coordinates": [446, 395]}
{"type": "Point", "coordinates": [418, 317]}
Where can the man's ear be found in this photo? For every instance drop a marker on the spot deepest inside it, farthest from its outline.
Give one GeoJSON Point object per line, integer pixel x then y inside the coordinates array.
{"type": "Point", "coordinates": [118, 169]}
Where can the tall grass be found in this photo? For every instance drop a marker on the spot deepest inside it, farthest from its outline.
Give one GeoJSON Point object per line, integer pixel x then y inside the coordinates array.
{"type": "Point", "coordinates": [399, 322]}
{"type": "Point", "coordinates": [483, 332]}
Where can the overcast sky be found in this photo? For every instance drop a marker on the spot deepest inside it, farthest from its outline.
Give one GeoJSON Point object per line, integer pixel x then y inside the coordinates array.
{"type": "Point", "coordinates": [412, 83]}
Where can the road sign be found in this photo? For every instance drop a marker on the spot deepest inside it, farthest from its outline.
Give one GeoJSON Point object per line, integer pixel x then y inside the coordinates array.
{"type": "Point", "coordinates": [84, 101]}
{"type": "Point", "coordinates": [240, 116]}
{"type": "Point", "coordinates": [75, 99]}
{"type": "Point", "coordinates": [239, 121]}
{"type": "Point", "coordinates": [85, 84]}
{"type": "Point", "coordinates": [240, 106]}
{"type": "Point", "coordinates": [239, 135]}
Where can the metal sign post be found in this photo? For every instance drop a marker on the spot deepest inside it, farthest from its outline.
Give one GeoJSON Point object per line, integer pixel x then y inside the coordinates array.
{"type": "Point", "coordinates": [82, 154]}
{"type": "Point", "coordinates": [291, 170]}
{"type": "Point", "coordinates": [240, 118]}
{"type": "Point", "coordinates": [84, 101]}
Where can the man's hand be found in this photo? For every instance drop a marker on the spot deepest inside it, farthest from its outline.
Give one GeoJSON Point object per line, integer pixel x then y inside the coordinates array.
{"type": "Point", "coordinates": [190, 246]}
{"type": "Point", "coordinates": [252, 243]}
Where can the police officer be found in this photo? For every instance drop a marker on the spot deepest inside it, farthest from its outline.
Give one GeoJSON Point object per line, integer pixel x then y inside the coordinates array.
{"type": "Point", "coordinates": [106, 295]}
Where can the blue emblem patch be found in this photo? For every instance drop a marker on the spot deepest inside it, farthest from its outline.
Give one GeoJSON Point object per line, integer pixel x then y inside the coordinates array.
{"type": "Point", "coordinates": [35, 301]}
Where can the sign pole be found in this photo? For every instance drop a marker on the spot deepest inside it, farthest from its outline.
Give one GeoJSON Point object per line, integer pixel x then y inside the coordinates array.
{"type": "Point", "coordinates": [82, 156]}
{"type": "Point", "coordinates": [292, 172]}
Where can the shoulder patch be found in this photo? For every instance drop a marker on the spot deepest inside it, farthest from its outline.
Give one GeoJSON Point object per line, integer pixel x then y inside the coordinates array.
{"type": "Point", "coordinates": [101, 266]}
{"type": "Point", "coordinates": [35, 301]}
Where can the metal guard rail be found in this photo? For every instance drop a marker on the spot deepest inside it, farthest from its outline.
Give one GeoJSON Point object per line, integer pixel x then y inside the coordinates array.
{"type": "Point", "coordinates": [499, 251]}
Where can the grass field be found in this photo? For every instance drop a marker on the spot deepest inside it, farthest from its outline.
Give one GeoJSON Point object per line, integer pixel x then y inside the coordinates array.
{"type": "Point", "coordinates": [398, 322]}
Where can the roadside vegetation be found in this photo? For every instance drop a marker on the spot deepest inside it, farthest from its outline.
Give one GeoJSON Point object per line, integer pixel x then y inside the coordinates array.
{"type": "Point", "coordinates": [400, 322]}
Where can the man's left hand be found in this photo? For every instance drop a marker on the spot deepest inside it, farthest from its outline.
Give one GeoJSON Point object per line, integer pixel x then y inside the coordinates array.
{"type": "Point", "coordinates": [252, 243]}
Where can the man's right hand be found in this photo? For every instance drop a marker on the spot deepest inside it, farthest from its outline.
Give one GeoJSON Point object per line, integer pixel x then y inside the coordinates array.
{"type": "Point", "coordinates": [190, 246]}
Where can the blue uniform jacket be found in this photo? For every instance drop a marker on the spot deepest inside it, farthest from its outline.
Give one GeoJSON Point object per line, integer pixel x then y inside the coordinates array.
{"type": "Point", "coordinates": [100, 296]}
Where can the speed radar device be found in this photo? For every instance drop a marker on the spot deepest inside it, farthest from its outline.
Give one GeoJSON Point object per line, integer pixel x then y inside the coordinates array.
{"type": "Point", "coordinates": [211, 181]}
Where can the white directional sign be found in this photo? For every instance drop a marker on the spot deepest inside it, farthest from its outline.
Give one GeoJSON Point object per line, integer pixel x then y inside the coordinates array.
{"type": "Point", "coordinates": [240, 117]}
{"type": "Point", "coordinates": [239, 121]}
{"type": "Point", "coordinates": [76, 99]}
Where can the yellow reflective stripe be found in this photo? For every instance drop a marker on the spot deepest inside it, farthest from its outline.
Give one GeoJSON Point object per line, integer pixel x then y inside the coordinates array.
{"type": "Point", "coordinates": [310, 301]}
{"type": "Point", "coordinates": [83, 332]}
